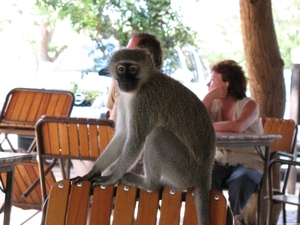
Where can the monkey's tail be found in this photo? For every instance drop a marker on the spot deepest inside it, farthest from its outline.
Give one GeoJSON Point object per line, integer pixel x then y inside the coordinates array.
{"type": "Point", "coordinates": [202, 202]}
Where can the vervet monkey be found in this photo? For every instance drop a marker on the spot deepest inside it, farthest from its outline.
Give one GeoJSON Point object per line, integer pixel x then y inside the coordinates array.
{"type": "Point", "coordinates": [167, 123]}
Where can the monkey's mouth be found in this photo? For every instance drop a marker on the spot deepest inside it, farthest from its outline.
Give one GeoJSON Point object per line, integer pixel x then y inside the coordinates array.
{"type": "Point", "coordinates": [127, 86]}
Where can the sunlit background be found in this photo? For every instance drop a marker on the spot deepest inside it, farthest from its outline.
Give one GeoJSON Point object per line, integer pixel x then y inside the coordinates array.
{"type": "Point", "coordinates": [217, 23]}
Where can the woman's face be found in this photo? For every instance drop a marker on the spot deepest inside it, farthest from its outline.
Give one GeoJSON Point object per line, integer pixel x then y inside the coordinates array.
{"type": "Point", "coordinates": [216, 81]}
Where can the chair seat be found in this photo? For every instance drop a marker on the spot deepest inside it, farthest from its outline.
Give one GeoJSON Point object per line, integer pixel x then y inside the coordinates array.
{"type": "Point", "coordinates": [8, 124]}
{"type": "Point", "coordinates": [10, 129]}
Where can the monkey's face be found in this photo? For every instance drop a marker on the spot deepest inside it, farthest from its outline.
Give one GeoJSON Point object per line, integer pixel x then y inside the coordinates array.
{"type": "Point", "coordinates": [127, 76]}
{"type": "Point", "coordinates": [130, 68]}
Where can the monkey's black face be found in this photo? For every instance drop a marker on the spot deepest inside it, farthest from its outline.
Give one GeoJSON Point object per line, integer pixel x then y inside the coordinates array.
{"type": "Point", "coordinates": [127, 76]}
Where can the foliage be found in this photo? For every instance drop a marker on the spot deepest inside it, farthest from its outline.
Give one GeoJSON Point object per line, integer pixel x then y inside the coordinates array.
{"type": "Point", "coordinates": [102, 19]}
{"type": "Point", "coordinates": [287, 25]}
{"type": "Point", "coordinates": [90, 96]}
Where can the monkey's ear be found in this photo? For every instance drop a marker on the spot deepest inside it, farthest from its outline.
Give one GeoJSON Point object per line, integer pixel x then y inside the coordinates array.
{"type": "Point", "coordinates": [104, 72]}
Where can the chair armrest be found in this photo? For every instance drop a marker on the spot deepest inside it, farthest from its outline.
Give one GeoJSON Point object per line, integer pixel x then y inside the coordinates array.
{"type": "Point", "coordinates": [280, 153]}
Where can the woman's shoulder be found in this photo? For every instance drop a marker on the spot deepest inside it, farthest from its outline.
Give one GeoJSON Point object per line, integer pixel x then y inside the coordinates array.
{"type": "Point", "coordinates": [244, 101]}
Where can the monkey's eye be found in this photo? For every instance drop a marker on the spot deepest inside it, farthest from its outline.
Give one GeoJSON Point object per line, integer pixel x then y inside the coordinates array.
{"type": "Point", "coordinates": [121, 68]}
{"type": "Point", "coordinates": [133, 68]}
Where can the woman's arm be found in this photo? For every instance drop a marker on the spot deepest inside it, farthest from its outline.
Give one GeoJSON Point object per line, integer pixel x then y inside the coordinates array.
{"type": "Point", "coordinates": [248, 117]}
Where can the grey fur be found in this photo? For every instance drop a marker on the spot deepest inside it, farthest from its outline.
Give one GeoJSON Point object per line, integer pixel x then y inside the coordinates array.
{"type": "Point", "coordinates": [163, 120]}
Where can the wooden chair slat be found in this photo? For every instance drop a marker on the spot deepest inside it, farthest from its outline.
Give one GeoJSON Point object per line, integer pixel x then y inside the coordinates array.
{"type": "Point", "coordinates": [171, 203]}
{"type": "Point", "coordinates": [289, 136]}
{"type": "Point", "coordinates": [218, 208]}
{"type": "Point", "coordinates": [11, 107]}
{"type": "Point", "coordinates": [147, 208]}
{"type": "Point", "coordinates": [20, 177]}
{"type": "Point", "coordinates": [275, 130]}
{"type": "Point", "coordinates": [58, 204]}
{"type": "Point", "coordinates": [48, 104]}
{"type": "Point", "coordinates": [282, 130]}
{"type": "Point", "coordinates": [44, 104]}
{"type": "Point", "coordinates": [74, 137]}
{"type": "Point", "coordinates": [78, 203]}
{"type": "Point", "coordinates": [47, 139]}
{"type": "Point", "coordinates": [63, 139]}
{"type": "Point", "coordinates": [34, 107]}
{"type": "Point", "coordinates": [94, 145]}
{"type": "Point", "coordinates": [54, 139]}
{"type": "Point", "coordinates": [18, 106]}
{"type": "Point", "coordinates": [102, 205]}
{"type": "Point", "coordinates": [190, 215]}
{"type": "Point", "coordinates": [59, 108]}
{"type": "Point", "coordinates": [124, 205]}
{"type": "Point", "coordinates": [69, 101]}
{"type": "Point", "coordinates": [104, 132]}
{"type": "Point", "coordinates": [25, 112]}
{"type": "Point", "coordinates": [27, 175]}
{"type": "Point", "coordinates": [84, 141]}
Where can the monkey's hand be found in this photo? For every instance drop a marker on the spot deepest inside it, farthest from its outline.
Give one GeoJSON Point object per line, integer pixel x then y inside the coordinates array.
{"type": "Point", "coordinates": [91, 176]}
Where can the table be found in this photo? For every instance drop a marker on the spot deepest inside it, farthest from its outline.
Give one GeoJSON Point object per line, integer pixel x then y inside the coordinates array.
{"type": "Point", "coordinates": [227, 139]}
{"type": "Point", "coordinates": [8, 161]}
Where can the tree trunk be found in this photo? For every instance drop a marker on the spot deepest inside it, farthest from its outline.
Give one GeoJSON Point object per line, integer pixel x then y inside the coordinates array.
{"type": "Point", "coordinates": [46, 35]}
{"type": "Point", "coordinates": [265, 72]}
{"type": "Point", "coordinates": [263, 61]}
{"type": "Point", "coordinates": [43, 48]}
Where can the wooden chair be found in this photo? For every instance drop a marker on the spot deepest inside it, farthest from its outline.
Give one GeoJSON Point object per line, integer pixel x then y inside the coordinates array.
{"type": "Point", "coordinates": [21, 110]}
{"type": "Point", "coordinates": [23, 107]}
{"type": "Point", "coordinates": [125, 205]}
{"type": "Point", "coordinates": [65, 138]}
{"type": "Point", "coordinates": [280, 196]}
{"type": "Point", "coordinates": [280, 149]}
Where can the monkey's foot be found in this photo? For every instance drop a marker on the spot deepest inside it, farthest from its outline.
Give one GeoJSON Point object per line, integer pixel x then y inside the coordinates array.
{"type": "Point", "coordinates": [105, 180]}
{"type": "Point", "coordinates": [77, 179]}
{"type": "Point", "coordinates": [89, 177]}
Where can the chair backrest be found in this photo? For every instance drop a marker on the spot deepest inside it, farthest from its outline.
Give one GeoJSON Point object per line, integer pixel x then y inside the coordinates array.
{"type": "Point", "coordinates": [71, 138]}
{"type": "Point", "coordinates": [126, 205]}
{"type": "Point", "coordinates": [287, 128]}
{"type": "Point", "coordinates": [23, 107]}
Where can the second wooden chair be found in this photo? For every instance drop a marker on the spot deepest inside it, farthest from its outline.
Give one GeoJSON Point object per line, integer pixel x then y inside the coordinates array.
{"type": "Point", "coordinates": [65, 138]}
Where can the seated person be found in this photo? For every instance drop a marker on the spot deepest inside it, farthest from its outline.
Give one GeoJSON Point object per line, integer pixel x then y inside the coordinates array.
{"type": "Point", "coordinates": [238, 169]}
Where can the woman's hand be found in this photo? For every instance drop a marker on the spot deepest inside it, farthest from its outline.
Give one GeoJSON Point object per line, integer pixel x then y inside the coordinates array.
{"type": "Point", "coordinates": [216, 93]}
{"type": "Point", "coordinates": [219, 92]}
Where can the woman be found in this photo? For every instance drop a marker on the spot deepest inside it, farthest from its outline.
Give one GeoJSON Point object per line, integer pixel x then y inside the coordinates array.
{"type": "Point", "coordinates": [238, 169]}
